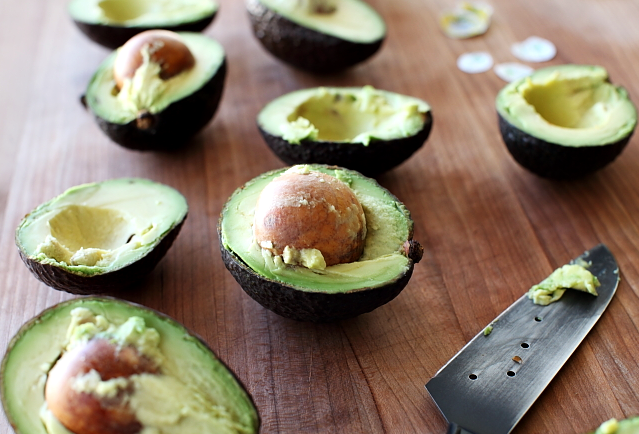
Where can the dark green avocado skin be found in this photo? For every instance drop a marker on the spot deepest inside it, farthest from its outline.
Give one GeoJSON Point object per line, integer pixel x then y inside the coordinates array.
{"type": "Point", "coordinates": [305, 48]}
{"type": "Point", "coordinates": [112, 282]}
{"type": "Point", "coordinates": [175, 125]}
{"type": "Point", "coordinates": [115, 36]}
{"type": "Point", "coordinates": [378, 157]}
{"type": "Point", "coordinates": [554, 161]}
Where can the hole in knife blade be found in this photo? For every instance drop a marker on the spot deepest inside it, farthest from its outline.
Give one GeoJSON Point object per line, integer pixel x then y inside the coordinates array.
{"type": "Point", "coordinates": [538, 318]}
{"type": "Point", "coordinates": [472, 376]}
{"type": "Point", "coordinates": [525, 345]}
{"type": "Point", "coordinates": [510, 373]}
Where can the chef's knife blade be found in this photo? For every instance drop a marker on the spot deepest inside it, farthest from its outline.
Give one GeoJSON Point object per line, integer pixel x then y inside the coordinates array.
{"type": "Point", "coordinates": [491, 383]}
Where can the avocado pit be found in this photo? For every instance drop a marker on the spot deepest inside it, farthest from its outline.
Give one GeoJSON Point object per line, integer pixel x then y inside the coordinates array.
{"type": "Point", "coordinates": [298, 212]}
{"type": "Point", "coordinates": [94, 413]}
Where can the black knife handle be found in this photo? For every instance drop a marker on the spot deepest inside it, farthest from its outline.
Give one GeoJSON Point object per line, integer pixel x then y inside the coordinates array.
{"type": "Point", "coordinates": [453, 428]}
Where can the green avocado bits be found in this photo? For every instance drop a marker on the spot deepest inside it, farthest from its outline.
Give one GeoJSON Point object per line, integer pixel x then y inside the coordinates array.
{"type": "Point", "coordinates": [614, 426]}
{"type": "Point", "coordinates": [565, 121]}
{"type": "Point", "coordinates": [189, 389]}
{"type": "Point", "coordinates": [156, 113]}
{"type": "Point", "coordinates": [360, 128]}
{"type": "Point", "coordinates": [336, 291]}
{"type": "Point", "coordinates": [320, 36]}
{"type": "Point", "coordinates": [103, 236]}
{"type": "Point", "coordinates": [112, 22]}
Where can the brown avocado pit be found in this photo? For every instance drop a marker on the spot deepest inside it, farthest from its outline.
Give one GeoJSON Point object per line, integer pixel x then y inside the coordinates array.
{"type": "Point", "coordinates": [308, 289]}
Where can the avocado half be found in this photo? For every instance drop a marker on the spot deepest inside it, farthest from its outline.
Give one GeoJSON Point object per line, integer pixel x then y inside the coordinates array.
{"type": "Point", "coordinates": [340, 291]}
{"type": "Point", "coordinates": [167, 118]}
{"type": "Point", "coordinates": [565, 121]}
{"type": "Point", "coordinates": [39, 344]}
{"type": "Point", "coordinates": [320, 36]}
{"type": "Point", "coordinates": [101, 237]}
{"type": "Point", "coordinates": [113, 22]}
{"type": "Point", "coordinates": [360, 128]}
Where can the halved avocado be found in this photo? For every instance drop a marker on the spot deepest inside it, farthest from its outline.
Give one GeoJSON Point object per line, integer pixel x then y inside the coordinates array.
{"type": "Point", "coordinates": [101, 237]}
{"type": "Point", "coordinates": [160, 114]}
{"type": "Point", "coordinates": [113, 22]}
{"type": "Point", "coordinates": [339, 291]}
{"type": "Point", "coordinates": [191, 379]}
{"type": "Point", "coordinates": [320, 36]}
{"type": "Point", "coordinates": [565, 121]}
{"type": "Point", "coordinates": [363, 129]}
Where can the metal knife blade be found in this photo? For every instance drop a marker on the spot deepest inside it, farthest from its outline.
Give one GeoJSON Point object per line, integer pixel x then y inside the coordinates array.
{"type": "Point", "coordinates": [491, 382]}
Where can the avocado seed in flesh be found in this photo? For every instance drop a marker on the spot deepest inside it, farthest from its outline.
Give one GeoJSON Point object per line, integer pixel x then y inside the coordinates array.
{"type": "Point", "coordinates": [84, 412]}
{"type": "Point", "coordinates": [310, 211]}
{"type": "Point", "coordinates": [165, 48]}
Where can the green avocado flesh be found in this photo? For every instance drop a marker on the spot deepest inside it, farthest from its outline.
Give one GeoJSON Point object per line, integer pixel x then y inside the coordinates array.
{"type": "Point", "coordinates": [388, 227]}
{"type": "Point", "coordinates": [145, 13]}
{"type": "Point", "coordinates": [352, 20]}
{"type": "Point", "coordinates": [570, 276]}
{"type": "Point", "coordinates": [147, 90]}
{"type": "Point", "coordinates": [571, 105]}
{"type": "Point", "coordinates": [353, 115]}
{"type": "Point", "coordinates": [194, 392]}
{"type": "Point", "coordinates": [613, 426]}
{"type": "Point", "coordinates": [97, 228]}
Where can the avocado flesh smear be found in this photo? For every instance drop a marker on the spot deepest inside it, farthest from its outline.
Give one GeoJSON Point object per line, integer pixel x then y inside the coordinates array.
{"type": "Point", "coordinates": [194, 393]}
{"type": "Point", "coordinates": [132, 13]}
{"type": "Point", "coordinates": [573, 276]}
{"type": "Point", "coordinates": [96, 228]}
{"type": "Point", "coordinates": [146, 90]}
{"type": "Point", "coordinates": [352, 115]}
{"type": "Point", "coordinates": [352, 20]}
{"type": "Point", "coordinates": [571, 105]}
{"type": "Point", "coordinates": [387, 224]}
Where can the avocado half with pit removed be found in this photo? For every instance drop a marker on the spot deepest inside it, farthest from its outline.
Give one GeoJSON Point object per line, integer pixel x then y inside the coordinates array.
{"type": "Point", "coordinates": [153, 113]}
{"type": "Point", "coordinates": [113, 22]}
{"type": "Point", "coordinates": [190, 384]}
{"type": "Point", "coordinates": [565, 121]}
{"type": "Point", "coordinates": [360, 128]}
{"type": "Point", "coordinates": [320, 36]}
{"type": "Point", "coordinates": [101, 237]}
{"type": "Point", "coordinates": [306, 292]}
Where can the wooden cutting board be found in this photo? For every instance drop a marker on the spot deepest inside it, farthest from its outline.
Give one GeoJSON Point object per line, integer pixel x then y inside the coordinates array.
{"type": "Point", "coordinates": [490, 229]}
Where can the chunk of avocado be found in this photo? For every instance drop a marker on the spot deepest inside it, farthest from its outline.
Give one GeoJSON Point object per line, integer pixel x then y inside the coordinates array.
{"type": "Point", "coordinates": [101, 237]}
{"type": "Point", "coordinates": [157, 113]}
{"type": "Point", "coordinates": [322, 294]}
{"type": "Point", "coordinates": [190, 391]}
{"type": "Point", "coordinates": [319, 36]}
{"type": "Point", "coordinates": [565, 121]}
{"type": "Point", "coordinates": [113, 22]}
{"type": "Point", "coordinates": [613, 426]}
{"type": "Point", "coordinates": [360, 128]}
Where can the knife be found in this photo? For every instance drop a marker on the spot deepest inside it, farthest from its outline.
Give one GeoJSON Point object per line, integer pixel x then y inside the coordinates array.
{"type": "Point", "coordinates": [490, 383]}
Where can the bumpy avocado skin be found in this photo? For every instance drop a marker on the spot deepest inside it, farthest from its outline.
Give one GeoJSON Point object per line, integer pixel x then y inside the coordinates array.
{"type": "Point", "coordinates": [305, 48]}
{"type": "Point", "coordinates": [107, 283]}
{"type": "Point", "coordinates": [115, 36]}
{"type": "Point", "coordinates": [174, 126]}
{"type": "Point", "coordinates": [553, 160]}
{"type": "Point", "coordinates": [377, 157]}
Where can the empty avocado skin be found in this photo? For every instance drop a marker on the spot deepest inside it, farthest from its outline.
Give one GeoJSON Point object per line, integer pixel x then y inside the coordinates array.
{"type": "Point", "coordinates": [303, 47]}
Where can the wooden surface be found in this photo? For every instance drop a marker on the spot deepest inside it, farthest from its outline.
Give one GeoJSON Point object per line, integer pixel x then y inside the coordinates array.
{"type": "Point", "coordinates": [490, 229]}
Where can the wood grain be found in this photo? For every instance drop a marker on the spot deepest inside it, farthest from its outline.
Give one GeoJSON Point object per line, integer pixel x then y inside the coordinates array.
{"type": "Point", "coordinates": [490, 228]}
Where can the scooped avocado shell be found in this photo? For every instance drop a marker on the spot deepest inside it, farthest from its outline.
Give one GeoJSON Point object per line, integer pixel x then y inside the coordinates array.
{"type": "Point", "coordinates": [565, 121]}
{"type": "Point", "coordinates": [113, 22]}
{"type": "Point", "coordinates": [334, 292]}
{"type": "Point", "coordinates": [101, 237]}
{"type": "Point", "coordinates": [320, 36]}
{"type": "Point", "coordinates": [190, 374]}
{"type": "Point", "coordinates": [360, 128]}
{"type": "Point", "coordinates": [154, 113]}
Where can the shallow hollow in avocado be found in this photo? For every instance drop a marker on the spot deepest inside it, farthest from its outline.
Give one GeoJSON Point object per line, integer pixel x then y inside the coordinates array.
{"type": "Point", "coordinates": [153, 113]}
{"type": "Point", "coordinates": [565, 121]}
{"type": "Point", "coordinates": [101, 237]}
{"type": "Point", "coordinates": [321, 293]}
{"type": "Point", "coordinates": [320, 36]}
{"type": "Point", "coordinates": [113, 22]}
{"type": "Point", "coordinates": [363, 129]}
{"type": "Point", "coordinates": [189, 391]}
